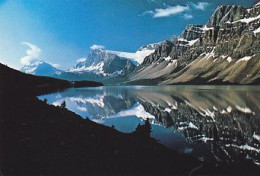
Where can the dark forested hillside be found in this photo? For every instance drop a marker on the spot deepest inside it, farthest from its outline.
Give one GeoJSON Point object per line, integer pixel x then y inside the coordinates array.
{"type": "Point", "coordinates": [41, 139]}
{"type": "Point", "coordinates": [12, 81]}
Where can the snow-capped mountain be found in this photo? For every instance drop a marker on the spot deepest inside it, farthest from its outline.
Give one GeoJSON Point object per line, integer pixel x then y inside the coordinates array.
{"type": "Point", "coordinates": [104, 63]}
{"type": "Point", "coordinates": [225, 50]}
{"type": "Point", "coordinates": [99, 65]}
{"type": "Point", "coordinates": [41, 68]}
{"type": "Point", "coordinates": [140, 54]}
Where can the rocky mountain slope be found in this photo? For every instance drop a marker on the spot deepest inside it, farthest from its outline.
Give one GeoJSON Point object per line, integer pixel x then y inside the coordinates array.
{"type": "Point", "coordinates": [102, 62]}
{"type": "Point", "coordinates": [225, 50]}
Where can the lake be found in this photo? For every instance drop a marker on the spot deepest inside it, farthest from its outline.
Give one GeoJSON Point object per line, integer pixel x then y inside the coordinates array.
{"type": "Point", "coordinates": [216, 124]}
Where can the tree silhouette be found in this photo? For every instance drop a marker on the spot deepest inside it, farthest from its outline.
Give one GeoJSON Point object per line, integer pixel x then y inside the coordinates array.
{"type": "Point", "coordinates": [63, 104]}
{"type": "Point", "coordinates": [147, 127]}
{"type": "Point", "coordinates": [45, 100]}
{"type": "Point", "coordinates": [144, 130]}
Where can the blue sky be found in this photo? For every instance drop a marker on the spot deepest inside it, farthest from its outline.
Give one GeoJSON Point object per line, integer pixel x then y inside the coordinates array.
{"type": "Point", "coordinates": [64, 30]}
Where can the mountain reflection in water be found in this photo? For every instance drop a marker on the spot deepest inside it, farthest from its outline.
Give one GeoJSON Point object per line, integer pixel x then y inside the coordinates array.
{"type": "Point", "coordinates": [213, 123]}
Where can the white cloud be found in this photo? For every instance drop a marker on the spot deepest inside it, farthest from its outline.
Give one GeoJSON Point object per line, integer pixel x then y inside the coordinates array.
{"type": "Point", "coordinates": [200, 5]}
{"type": "Point", "coordinates": [178, 9]}
{"type": "Point", "coordinates": [94, 47]}
{"type": "Point", "coordinates": [170, 11]}
{"type": "Point", "coordinates": [187, 16]}
{"type": "Point", "coordinates": [81, 60]}
{"type": "Point", "coordinates": [148, 12]}
{"type": "Point", "coordinates": [32, 54]}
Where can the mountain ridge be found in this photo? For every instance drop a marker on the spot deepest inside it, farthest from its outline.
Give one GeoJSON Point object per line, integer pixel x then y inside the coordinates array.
{"type": "Point", "coordinates": [224, 51]}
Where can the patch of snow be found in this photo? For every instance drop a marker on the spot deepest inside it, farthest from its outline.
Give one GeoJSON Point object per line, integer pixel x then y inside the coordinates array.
{"type": "Point", "coordinates": [209, 55]}
{"type": "Point", "coordinates": [174, 106]}
{"type": "Point", "coordinates": [256, 31]}
{"type": "Point", "coordinates": [187, 125]}
{"type": "Point", "coordinates": [245, 110]}
{"type": "Point", "coordinates": [245, 20]}
{"type": "Point", "coordinates": [257, 4]}
{"type": "Point", "coordinates": [256, 136]}
{"type": "Point", "coordinates": [205, 28]}
{"type": "Point", "coordinates": [246, 58]}
{"type": "Point", "coordinates": [168, 58]}
{"type": "Point", "coordinates": [223, 112]}
{"type": "Point", "coordinates": [244, 147]}
{"type": "Point", "coordinates": [192, 42]}
{"type": "Point", "coordinates": [229, 59]}
{"type": "Point", "coordinates": [173, 62]}
{"type": "Point", "coordinates": [98, 68]}
{"type": "Point", "coordinates": [257, 163]}
{"type": "Point", "coordinates": [31, 70]}
{"type": "Point", "coordinates": [189, 42]}
{"type": "Point", "coordinates": [215, 108]}
{"type": "Point", "coordinates": [138, 56]}
{"type": "Point", "coordinates": [205, 139]}
{"type": "Point", "coordinates": [182, 40]}
{"type": "Point", "coordinates": [229, 109]}
{"type": "Point", "coordinates": [99, 100]}
{"type": "Point", "coordinates": [191, 125]}
{"type": "Point", "coordinates": [136, 110]}
{"type": "Point", "coordinates": [208, 113]}
{"type": "Point", "coordinates": [167, 110]}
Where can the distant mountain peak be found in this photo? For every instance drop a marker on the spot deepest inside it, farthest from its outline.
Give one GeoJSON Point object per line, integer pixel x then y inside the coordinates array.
{"type": "Point", "coordinates": [151, 46]}
{"type": "Point", "coordinates": [41, 68]}
{"type": "Point", "coordinates": [102, 62]}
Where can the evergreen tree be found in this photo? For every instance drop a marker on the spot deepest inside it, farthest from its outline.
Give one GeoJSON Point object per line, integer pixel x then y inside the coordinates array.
{"type": "Point", "coordinates": [148, 127]}
{"type": "Point", "coordinates": [45, 100]}
{"type": "Point", "coordinates": [144, 130]}
{"type": "Point", "coordinates": [63, 104]}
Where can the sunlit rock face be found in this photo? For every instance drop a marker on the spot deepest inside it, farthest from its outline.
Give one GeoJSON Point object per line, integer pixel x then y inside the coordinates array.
{"type": "Point", "coordinates": [224, 118]}
{"type": "Point", "coordinates": [225, 50]}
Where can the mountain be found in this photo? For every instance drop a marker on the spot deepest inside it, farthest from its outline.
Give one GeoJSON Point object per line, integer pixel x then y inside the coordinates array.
{"type": "Point", "coordinates": [224, 51]}
{"type": "Point", "coordinates": [41, 68]}
{"type": "Point", "coordinates": [140, 54]}
{"type": "Point", "coordinates": [104, 63]}
{"type": "Point", "coordinates": [99, 65]}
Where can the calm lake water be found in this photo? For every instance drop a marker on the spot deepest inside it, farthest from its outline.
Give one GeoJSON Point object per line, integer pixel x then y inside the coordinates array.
{"type": "Point", "coordinates": [213, 123]}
